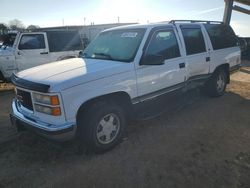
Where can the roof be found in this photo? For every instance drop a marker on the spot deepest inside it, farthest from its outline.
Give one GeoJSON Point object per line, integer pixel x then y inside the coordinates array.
{"type": "Point", "coordinates": [163, 24]}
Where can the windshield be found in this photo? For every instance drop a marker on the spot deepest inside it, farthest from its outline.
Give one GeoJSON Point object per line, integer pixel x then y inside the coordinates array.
{"type": "Point", "coordinates": [117, 45]}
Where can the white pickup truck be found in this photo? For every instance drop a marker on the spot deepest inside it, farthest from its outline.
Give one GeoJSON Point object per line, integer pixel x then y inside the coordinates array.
{"type": "Point", "coordinates": [36, 48]}
{"type": "Point", "coordinates": [92, 96]}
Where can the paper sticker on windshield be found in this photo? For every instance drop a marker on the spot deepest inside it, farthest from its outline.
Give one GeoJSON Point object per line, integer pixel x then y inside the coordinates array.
{"type": "Point", "coordinates": [129, 34]}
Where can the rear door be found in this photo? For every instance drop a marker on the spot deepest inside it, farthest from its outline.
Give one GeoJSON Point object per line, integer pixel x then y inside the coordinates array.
{"type": "Point", "coordinates": [32, 50]}
{"type": "Point", "coordinates": [197, 53]}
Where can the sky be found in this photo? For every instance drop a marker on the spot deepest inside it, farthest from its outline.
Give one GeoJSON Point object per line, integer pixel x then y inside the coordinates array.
{"type": "Point", "coordinates": [48, 13]}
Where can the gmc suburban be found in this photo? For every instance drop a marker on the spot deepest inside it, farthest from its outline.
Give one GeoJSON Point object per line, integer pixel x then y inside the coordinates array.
{"type": "Point", "coordinates": [91, 97]}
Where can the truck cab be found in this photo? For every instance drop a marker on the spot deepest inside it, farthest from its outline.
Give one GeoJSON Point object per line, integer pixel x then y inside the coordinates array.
{"type": "Point", "coordinates": [35, 48]}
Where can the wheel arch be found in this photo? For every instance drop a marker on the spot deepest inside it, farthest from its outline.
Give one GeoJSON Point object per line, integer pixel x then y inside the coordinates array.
{"type": "Point", "coordinates": [121, 98]}
{"type": "Point", "coordinates": [225, 67]}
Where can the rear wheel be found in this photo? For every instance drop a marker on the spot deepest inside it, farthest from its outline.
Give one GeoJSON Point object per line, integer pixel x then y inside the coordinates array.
{"type": "Point", "coordinates": [217, 84]}
{"type": "Point", "coordinates": [101, 127]}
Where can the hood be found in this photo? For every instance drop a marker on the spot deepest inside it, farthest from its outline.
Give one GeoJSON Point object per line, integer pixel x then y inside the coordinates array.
{"type": "Point", "coordinates": [68, 73]}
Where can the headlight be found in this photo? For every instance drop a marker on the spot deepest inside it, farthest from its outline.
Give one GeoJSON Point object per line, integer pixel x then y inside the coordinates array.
{"type": "Point", "coordinates": [47, 104]}
{"type": "Point", "coordinates": [46, 99]}
{"type": "Point", "coordinates": [55, 111]}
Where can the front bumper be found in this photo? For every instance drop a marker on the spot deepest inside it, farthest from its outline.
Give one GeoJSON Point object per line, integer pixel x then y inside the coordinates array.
{"type": "Point", "coordinates": [55, 132]}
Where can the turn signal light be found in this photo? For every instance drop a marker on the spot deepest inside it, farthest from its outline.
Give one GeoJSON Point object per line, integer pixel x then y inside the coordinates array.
{"type": "Point", "coordinates": [54, 100]}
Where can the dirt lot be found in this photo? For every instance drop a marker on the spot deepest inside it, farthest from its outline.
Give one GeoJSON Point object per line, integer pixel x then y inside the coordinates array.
{"type": "Point", "coordinates": [204, 143]}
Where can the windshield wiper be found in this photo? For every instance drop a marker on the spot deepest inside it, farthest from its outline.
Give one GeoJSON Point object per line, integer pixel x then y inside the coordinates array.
{"type": "Point", "coordinates": [107, 56]}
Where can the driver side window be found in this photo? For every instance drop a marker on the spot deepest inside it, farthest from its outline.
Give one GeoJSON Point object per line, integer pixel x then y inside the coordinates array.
{"type": "Point", "coordinates": [32, 41]}
{"type": "Point", "coordinates": [164, 43]}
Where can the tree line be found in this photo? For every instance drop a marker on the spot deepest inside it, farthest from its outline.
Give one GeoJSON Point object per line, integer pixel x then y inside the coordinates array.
{"type": "Point", "coordinates": [16, 25]}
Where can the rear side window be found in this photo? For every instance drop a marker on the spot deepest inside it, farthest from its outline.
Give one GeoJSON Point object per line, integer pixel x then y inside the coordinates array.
{"type": "Point", "coordinates": [221, 36]}
{"type": "Point", "coordinates": [64, 41]}
{"type": "Point", "coordinates": [194, 40]}
{"type": "Point", "coordinates": [31, 42]}
{"type": "Point", "coordinates": [164, 43]}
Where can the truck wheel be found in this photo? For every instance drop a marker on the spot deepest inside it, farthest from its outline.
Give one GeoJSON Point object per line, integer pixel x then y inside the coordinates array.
{"type": "Point", "coordinates": [101, 127]}
{"type": "Point", "coordinates": [217, 84]}
{"type": "Point", "coordinates": [2, 79]}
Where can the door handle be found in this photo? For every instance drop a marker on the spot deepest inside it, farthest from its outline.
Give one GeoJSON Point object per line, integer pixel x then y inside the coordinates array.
{"type": "Point", "coordinates": [44, 53]}
{"type": "Point", "coordinates": [182, 65]}
{"type": "Point", "coordinates": [207, 59]}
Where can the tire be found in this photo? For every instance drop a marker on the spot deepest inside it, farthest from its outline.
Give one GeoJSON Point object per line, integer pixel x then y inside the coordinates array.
{"type": "Point", "coordinates": [217, 84]}
{"type": "Point", "coordinates": [2, 79]}
{"type": "Point", "coordinates": [1, 76]}
{"type": "Point", "coordinates": [101, 127]}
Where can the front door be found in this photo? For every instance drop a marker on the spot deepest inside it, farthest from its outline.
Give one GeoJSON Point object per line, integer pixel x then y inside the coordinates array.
{"type": "Point", "coordinates": [32, 50]}
{"type": "Point", "coordinates": [154, 80]}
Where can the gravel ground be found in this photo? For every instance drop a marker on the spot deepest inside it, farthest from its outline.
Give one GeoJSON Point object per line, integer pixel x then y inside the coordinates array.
{"type": "Point", "coordinates": [204, 143]}
{"type": "Point", "coordinates": [6, 86]}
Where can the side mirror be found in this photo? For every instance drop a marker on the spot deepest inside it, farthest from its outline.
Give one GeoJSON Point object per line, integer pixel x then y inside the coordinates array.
{"type": "Point", "coordinates": [80, 54]}
{"type": "Point", "coordinates": [152, 60]}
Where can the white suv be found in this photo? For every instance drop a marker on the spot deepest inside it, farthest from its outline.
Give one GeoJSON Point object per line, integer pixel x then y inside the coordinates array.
{"type": "Point", "coordinates": [92, 96]}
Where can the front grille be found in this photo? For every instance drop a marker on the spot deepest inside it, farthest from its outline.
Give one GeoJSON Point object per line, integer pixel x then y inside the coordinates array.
{"type": "Point", "coordinates": [24, 98]}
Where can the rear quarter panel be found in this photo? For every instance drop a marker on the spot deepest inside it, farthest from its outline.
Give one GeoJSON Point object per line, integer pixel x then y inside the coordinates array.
{"type": "Point", "coordinates": [229, 56]}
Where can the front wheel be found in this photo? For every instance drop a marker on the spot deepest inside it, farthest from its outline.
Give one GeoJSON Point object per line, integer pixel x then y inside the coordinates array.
{"type": "Point", "coordinates": [2, 77]}
{"type": "Point", "coordinates": [217, 84]}
{"type": "Point", "coordinates": [101, 127]}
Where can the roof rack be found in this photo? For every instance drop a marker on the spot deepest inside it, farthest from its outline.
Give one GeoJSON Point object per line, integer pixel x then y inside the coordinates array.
{"type": "Point", "coordinates": [195, 21]}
